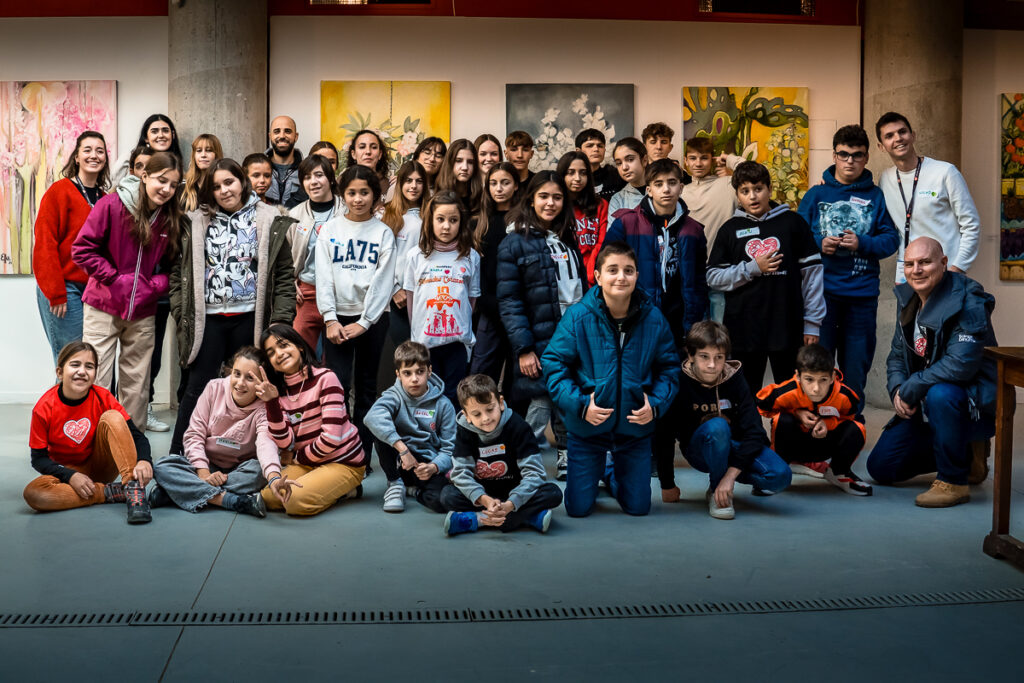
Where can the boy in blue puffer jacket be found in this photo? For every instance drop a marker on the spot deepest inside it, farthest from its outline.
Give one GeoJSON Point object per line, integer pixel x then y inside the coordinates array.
{"type": "Point", "coordinates": [852, 227]}
{"type": "Point", "coordinates": [611, 370]}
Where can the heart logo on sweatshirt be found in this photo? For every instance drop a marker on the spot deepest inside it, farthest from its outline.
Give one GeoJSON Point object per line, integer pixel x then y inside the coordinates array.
{"type": "Point", "coordinates": [758, 247]}
{"type": "Point", "coordinates": [77, 430]}
{"type": "Point", "coordinates": [490, 470]}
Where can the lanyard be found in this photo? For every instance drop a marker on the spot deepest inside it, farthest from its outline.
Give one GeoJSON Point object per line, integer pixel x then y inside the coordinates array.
{"type": "Point", "coordinates": [913, 195]}
{"type": "Point", "coordinates": [81, 188]}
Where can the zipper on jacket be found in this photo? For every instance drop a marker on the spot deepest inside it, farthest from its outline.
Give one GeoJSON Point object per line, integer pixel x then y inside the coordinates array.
{"type": "Point", "coordinates": [135, 284]}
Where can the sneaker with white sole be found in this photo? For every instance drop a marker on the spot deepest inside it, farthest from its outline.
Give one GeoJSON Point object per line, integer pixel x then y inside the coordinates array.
{"type": "Point", "coordinates": [394, 496]}
{"type": "Point", "coordinates": [815, 470]}
{"type": "Point", "coordinates": [849, 483]}
{"type": "Point", "coordinates": [727, 512]}
{"type": "Point", "coordinates": [153, 424]}
{"type": "Point", "coordinates": [562, 464]}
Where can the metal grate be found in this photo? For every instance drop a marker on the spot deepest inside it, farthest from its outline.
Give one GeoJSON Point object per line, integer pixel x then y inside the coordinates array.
{"type": "Point", "coordinates": [439, 616]}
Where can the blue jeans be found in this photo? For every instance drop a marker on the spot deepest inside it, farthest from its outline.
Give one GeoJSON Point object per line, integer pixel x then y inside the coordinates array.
{"type": "Point", "coordinates": [709, 451]}
{"type": "Point", "coordinates": [62, 331]}
{"type": "Point", "coordinates": [178, 477]}
{"type": "Point", "coordinates": [849, 331]}
{"type": "Point", "coordinates": [631, 463]}
{"type": "Point", "coordinates": [907, 448]}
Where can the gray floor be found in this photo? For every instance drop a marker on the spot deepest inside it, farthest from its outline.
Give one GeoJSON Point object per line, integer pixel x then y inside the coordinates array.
{"type": "Point", "coordinates": [811, 542]}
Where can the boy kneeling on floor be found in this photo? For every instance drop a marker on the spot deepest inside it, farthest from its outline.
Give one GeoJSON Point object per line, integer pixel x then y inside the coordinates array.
{"type": "Point", "coordinates": [814, 418]}
{"type": "Point", "coordinates": [719, 422]}
{"type": "Point", "coordinates": [498, 477]}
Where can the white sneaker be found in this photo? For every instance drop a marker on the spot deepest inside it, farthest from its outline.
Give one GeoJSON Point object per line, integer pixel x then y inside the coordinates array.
{"type": "Point", "coordinates": [394, 497]}
{"type": "Point", "coordinates": [717, 512]}
{"type": "Point", "coordinates": [153, 424]}
{"type": "Point", "coordinates": [561, 464]}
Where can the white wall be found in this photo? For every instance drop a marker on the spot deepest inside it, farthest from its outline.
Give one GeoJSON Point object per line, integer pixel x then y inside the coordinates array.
{"type": "Point", "coordinates": [132, 51]}
{"type": "Point", "coordinates": [992, 65]}
{"type": "Point", "coordinates": [479, 57]}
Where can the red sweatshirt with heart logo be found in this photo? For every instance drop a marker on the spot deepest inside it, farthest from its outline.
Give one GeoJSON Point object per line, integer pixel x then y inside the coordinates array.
{"type": "Point", "coordinates": [66, 431]}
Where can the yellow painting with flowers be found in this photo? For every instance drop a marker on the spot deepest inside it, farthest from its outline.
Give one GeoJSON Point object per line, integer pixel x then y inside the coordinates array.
{"type": "Point", "coordinates": [403, 113]}
{"type": "Point", "coordinates": [767, 125]}
{"type": "Point", "coordinates": [1011, 204]}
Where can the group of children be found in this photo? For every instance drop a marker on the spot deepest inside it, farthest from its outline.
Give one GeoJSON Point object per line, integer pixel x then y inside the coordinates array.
{"type": "Point", "coordinates": [596, 296]}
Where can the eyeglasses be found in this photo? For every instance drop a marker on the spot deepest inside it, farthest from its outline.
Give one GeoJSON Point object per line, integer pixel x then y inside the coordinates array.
{"type": "Point", "coordinates": [851, 156]}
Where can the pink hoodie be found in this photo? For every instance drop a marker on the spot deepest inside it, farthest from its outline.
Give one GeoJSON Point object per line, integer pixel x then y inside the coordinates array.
{"type": "Point", "coordinates": [226, 435]}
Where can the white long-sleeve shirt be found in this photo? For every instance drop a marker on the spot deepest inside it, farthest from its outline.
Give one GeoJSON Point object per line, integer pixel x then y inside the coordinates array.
{"type": "Point", "coordinates": [355, 269]}
{"type": "Point", "coordinates": [943, 210]}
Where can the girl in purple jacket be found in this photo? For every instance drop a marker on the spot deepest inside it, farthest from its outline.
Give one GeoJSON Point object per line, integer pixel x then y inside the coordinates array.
{"type": "Point", "coordinates": [126, 247]}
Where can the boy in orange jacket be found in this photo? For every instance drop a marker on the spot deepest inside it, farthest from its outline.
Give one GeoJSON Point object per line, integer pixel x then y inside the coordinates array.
{"type": "Point", "coordinates": [814, 418]}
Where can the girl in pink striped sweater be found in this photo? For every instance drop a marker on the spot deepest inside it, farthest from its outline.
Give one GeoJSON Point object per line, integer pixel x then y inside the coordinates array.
{"type": "Point", "coordinates": [308, 420]}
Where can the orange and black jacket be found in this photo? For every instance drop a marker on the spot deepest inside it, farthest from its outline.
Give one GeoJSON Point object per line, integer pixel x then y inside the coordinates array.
{"type": "Point", "coordinates": [787, 397]}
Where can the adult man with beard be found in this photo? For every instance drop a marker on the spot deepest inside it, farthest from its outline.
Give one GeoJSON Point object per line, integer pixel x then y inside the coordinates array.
{"type": "Point", "coordinates": [285, 189]}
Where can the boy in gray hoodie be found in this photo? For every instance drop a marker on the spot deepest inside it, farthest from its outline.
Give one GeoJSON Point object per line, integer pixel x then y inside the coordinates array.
{"type": "Point", "coordinates": [498, 478]}
{"type": "Point", "coordinates": [414, 429]}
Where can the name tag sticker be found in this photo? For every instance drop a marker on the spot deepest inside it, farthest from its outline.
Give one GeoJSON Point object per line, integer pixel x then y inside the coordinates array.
{"type": "Point", "coordinates": [860, 201]}
{"type": "Point", "coordinates": [491, 451]}
{"type": "Point", "coordinates": [424, 413]}
{"type": "Point", "coordinates": [724, 404]}
{"type": "Point", "coordinates": [228, 443]}
{"type": "Point", "coordinates": [749, 232]}
{"type": "Point", "coordinates": [828, 411]}
{"type": "Point", "coordinates": [559, 257]}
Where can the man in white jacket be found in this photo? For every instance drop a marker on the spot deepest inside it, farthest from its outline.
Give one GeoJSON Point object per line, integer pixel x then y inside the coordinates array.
{"type": "Point", "coordinates": [926, 197]}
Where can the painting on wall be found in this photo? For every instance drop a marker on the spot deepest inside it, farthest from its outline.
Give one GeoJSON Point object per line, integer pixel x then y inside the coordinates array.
{"type": "Point", "coordinates": [554, 113]}
{"type": "Point", "coordinates": [39, 121]}
{"type": "Point", "coordinates": [768, 125]}
{"type": "Point", "coordinates": [1011, 205]}
{"type": "Point", "coordinates": [403, 113]}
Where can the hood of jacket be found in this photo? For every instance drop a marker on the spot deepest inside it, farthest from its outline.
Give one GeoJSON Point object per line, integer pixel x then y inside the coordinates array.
{"type": "Point", "coordinates": [862, 184]}
{"type": "Point", "coordinates": [486, 437]}
{"type": "Point", "coordinates": [639, 305]}
{"type": "Point", "coordinates": [128, 191]}
{"type": "Point", "coordinates": [771, 213]}
{"type": "Point", "coordinates": [730, 369]}
{"type": "Point", "coordinates": [435, 389]}
{"type": "Point", "coordinates": [647, 206]}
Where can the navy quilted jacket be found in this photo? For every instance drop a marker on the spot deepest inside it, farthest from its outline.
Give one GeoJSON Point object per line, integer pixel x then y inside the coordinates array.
{"type": "Point", "coordinates": [590, 355]}
{"type": "Point", "coordinates": [528, 300]}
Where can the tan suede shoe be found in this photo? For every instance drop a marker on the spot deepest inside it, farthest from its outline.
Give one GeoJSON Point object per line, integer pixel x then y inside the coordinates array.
{"type": "Point", "coordinates": [943, 495]}
{"type": "Point", "coordinates": [980, 450]}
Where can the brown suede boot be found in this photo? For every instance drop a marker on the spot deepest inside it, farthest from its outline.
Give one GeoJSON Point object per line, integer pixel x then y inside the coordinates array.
{"type": "Point", "coordinates": [980, 450]}
{"type": "Point", "coordinates": [943, 495]}
{"type": "Point", "coordinates": [670, 495]}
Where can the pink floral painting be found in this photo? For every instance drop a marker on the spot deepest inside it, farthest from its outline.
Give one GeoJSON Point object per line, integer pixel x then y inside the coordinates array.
{"type": "Point", "coordinates": [39, 121]}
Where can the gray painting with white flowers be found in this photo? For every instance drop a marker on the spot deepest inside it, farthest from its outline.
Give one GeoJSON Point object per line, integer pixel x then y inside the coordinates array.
{"type": "Point", "coordinates": [553, 114]}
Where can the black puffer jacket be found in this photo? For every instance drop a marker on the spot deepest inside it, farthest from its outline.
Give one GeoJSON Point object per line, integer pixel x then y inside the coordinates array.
{"type": "Point", "coordinates": [528, 300]}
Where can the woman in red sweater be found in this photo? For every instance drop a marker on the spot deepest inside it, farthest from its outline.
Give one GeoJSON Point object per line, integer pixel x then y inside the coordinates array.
{"type": "Point", "coordinates": [62, 211]}
{"type": "Point", "coordinates": [82, 439]}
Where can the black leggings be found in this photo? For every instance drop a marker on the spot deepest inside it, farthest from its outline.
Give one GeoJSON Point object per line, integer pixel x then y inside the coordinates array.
{"type": "Point", "coordinates": [754, 364]}
{"type": "Point", "coordinates": [842, 444]}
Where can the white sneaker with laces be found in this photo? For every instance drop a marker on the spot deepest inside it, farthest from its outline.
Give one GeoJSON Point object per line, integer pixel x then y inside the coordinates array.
{"type": "Point", "coordinates": [561, 464]}
{"type": "Point", "coordinates": [394, 497]}
{"type": "Point", "coordinates": [153, 424]}
{"type": "Point", "coordinates": [717, 512]}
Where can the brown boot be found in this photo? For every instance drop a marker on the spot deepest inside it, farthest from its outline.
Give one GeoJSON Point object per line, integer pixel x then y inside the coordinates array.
{"type": "Point", "coordinates": [980, 450]}
{"type": "Point", "coordinates": [943, 495]}
{"type": "Point", "coordinates": [670, 495]}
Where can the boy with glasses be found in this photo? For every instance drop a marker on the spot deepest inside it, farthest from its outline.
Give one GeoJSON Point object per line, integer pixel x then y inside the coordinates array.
{"type": "Point", "coordinates": [851, 225]}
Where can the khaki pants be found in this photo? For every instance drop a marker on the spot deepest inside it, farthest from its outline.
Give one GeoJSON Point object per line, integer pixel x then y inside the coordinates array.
{"type": "Point", "coordinates": [113, 453]}
{"type": "Point", "coordinates": [321, 487]}
{"type": "Point", "coordinates": [104, 331]}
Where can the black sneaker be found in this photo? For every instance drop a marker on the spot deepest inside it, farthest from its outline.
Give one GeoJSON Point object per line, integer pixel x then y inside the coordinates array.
{"type": "Point", "coordinates": [252, 504]}
{"type": "Point", "coordinates": [848, 482]}
{"type": "Point", "coordinates": [158, 497]}
{"type": "Point", "coordinates": [138, 506]}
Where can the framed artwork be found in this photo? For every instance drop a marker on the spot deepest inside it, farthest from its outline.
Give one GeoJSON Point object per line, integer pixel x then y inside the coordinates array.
{"type": "Point", "coordinates": [768, 125]}
{"type": "Point", "coordinates": [403, 113]}
{"type": "Point", "coordinates": [554, 113]}
{"type": "Point", "coordinates": [39, 122]}
{"type": "Point", "coordinates": [1011, 204]}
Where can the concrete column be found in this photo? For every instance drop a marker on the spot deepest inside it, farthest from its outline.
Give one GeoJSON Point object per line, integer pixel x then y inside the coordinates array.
{"type": "Point", "coordinates": [913, 64]}
{"type": "Point", "coordinates": [217, 72]}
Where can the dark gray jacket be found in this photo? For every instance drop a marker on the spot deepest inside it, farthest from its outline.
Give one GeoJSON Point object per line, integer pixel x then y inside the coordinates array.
{"type": "Point", "coordinates": [957, 320]}
{"type": "Point", "coordinates": [285, 189]}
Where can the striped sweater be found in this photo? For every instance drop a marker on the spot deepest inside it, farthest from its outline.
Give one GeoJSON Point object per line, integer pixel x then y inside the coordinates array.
{"type": "Point", "coordinates": [311, 420]}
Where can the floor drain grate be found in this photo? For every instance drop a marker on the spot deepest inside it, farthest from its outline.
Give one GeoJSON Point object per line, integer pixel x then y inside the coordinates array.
{"type": "Point", "coordinates": [447, 616]}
